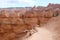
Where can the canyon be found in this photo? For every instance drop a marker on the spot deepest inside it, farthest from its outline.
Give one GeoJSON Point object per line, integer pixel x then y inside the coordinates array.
{"type": "Point", "coordinates": [19, 23]}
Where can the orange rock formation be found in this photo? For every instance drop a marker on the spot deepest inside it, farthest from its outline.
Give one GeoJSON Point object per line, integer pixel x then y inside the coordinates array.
{"type": "Point", "coordinates": [15, 23]}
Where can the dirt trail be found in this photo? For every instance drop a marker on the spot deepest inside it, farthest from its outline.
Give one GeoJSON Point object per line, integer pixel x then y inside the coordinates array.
{"type": "Point", "coordinates": [42, 34]}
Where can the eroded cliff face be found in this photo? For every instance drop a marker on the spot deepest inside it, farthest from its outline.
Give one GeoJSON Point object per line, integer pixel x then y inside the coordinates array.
{"type": "Point", "coordinates": [16, 23]}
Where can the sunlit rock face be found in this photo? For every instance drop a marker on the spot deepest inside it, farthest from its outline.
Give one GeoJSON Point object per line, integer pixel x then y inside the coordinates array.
{"type": "Point", "coordinates": [16, 23]}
